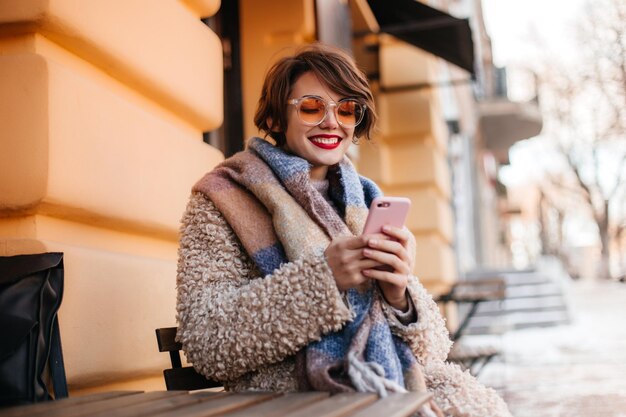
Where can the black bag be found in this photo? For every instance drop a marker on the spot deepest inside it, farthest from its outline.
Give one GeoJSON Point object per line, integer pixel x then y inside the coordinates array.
{"type": "Point", "coordinates": [31, 289]}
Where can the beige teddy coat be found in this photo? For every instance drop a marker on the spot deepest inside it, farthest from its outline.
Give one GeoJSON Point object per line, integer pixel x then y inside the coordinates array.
{"type": "Point", "coordinates": [244, 330]}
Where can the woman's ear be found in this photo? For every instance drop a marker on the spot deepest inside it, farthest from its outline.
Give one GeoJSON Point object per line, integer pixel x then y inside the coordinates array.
{"type": "Point", "coordinates": [270, 124]}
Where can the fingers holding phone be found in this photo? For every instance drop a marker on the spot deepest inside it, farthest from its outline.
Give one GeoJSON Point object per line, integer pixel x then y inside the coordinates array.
{"type": "Point", "coordinates": [395, 250]}
{"type": "Point", "coordinates": [386, 218]}
{"type": "Point", "coordinates": [401, 236]}
{"type": "Point", "coordinates": [345, 259]}
{"type": "Point", "coordinates": [384, 252]}
{"type": "Point", "coordinates": [393, 278]}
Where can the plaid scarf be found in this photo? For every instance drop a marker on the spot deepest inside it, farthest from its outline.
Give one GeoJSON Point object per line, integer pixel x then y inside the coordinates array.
{"type": "Point", "coordinates": [266, 196]}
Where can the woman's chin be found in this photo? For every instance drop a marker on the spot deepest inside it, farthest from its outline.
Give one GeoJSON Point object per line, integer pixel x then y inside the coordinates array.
{"type": "Point", "coordinates": [327, 160]}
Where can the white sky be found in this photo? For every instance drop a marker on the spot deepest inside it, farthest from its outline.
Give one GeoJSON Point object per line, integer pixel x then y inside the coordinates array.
{"type": "Point", "coordinates": [515, 26]}
{"type": "Point", "coordinates": [523, 32]}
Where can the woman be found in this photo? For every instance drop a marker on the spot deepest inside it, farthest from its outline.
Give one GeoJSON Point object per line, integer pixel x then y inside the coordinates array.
{"type": "Point", "coordinates": [278, 290]}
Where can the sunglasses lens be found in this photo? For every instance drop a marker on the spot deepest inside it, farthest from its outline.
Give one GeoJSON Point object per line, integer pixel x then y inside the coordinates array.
{"type": "Point", "coordinates": [349, 112]}
{"type": "Point", "coordinates": [312, 110]}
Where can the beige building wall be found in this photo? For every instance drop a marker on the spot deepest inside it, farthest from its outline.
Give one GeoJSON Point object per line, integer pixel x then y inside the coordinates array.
{"type": "Point", "coordinates": [102, 106]}
{"type": "Point", "coordinates": [408, 156]}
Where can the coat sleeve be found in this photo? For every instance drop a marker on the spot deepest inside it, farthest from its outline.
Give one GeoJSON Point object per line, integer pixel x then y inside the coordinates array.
{"type": "Point", "coordinates": [230, 319]}
{"type": "Point", "coordinates": [460, 394]}
{"type": "Point", "coordinates": [427, 337]}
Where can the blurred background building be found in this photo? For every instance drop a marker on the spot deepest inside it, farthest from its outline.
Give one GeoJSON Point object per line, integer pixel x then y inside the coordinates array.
{"type": "Point", "coordinates": [112, 110]}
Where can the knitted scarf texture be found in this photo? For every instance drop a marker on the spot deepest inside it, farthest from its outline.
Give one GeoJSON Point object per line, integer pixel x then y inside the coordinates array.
{"type": "Point", "coordinates": [266, 197]}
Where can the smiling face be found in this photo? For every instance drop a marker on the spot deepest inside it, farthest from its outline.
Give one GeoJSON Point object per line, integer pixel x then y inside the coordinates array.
{"type": "Point", "coordinates": [322, 145]}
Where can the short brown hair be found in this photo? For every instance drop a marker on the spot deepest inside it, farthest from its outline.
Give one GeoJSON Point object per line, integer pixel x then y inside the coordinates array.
{"type": "Point", "coordinates": [333, 67]}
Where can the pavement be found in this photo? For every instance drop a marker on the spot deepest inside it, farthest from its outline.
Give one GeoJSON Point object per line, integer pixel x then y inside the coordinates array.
{"type": "Point", "coordinates": [578, 369]}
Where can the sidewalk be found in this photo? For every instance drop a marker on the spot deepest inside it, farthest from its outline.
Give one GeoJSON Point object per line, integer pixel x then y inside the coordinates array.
{"type": "Point", "coordinates": [568, 370]}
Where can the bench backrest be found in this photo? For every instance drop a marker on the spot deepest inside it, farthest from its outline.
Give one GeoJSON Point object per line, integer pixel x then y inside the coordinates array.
{"type": "Point", "coordinates": [179, 377]}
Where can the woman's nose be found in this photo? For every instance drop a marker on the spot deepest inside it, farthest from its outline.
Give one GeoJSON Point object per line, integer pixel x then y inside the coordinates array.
{"type": "Point", "coordinates": [330, 121]}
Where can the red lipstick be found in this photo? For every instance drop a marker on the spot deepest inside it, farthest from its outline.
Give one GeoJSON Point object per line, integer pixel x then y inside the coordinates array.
{"type": "Point", "coordinates": [325, 141]}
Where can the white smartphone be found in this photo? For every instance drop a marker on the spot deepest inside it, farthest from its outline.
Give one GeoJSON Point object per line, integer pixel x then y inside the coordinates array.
{"type": "Point", "coordinates": [384, 211]}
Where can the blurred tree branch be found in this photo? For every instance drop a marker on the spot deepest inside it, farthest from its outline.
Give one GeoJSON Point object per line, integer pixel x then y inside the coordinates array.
{"type": "Point", "coordinates": [584, 108]}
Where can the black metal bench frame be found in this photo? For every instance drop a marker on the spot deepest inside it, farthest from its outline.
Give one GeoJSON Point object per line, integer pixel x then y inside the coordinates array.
{"type": "Point", "coordinates": [179, 377]}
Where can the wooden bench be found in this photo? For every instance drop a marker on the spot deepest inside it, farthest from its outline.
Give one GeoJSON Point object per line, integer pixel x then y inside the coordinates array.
{"type": "Point", "coordinates": [472, 292]}
{"type": "Point", "coordinates": [221, 404]}
{"type": "Point", "coordinates": [179, 377]}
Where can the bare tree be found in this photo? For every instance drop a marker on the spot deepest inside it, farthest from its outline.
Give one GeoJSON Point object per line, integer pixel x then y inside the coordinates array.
{"type": "Point", "coordinates": [585, 117]}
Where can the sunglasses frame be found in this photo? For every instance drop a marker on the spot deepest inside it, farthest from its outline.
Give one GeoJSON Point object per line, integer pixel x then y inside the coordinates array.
{"type": "Point", "coordinates": [328, 104]}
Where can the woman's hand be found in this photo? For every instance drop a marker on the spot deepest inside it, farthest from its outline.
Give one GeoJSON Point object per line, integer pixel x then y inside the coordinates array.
{"type": "Point", "coordinates": [345, 259]}
{"type": "Point", "coordinates": [399, 256]}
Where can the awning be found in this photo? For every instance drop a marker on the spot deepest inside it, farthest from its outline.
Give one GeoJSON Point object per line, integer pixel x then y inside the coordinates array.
{"type": "Point", "coordinates": [427, 28]}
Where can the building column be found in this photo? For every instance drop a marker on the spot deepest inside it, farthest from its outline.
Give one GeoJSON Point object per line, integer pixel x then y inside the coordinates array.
{"type": "Point", "coordinates": [102, 109]}
{"type": "Point", "coordinates": [408, 156]}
